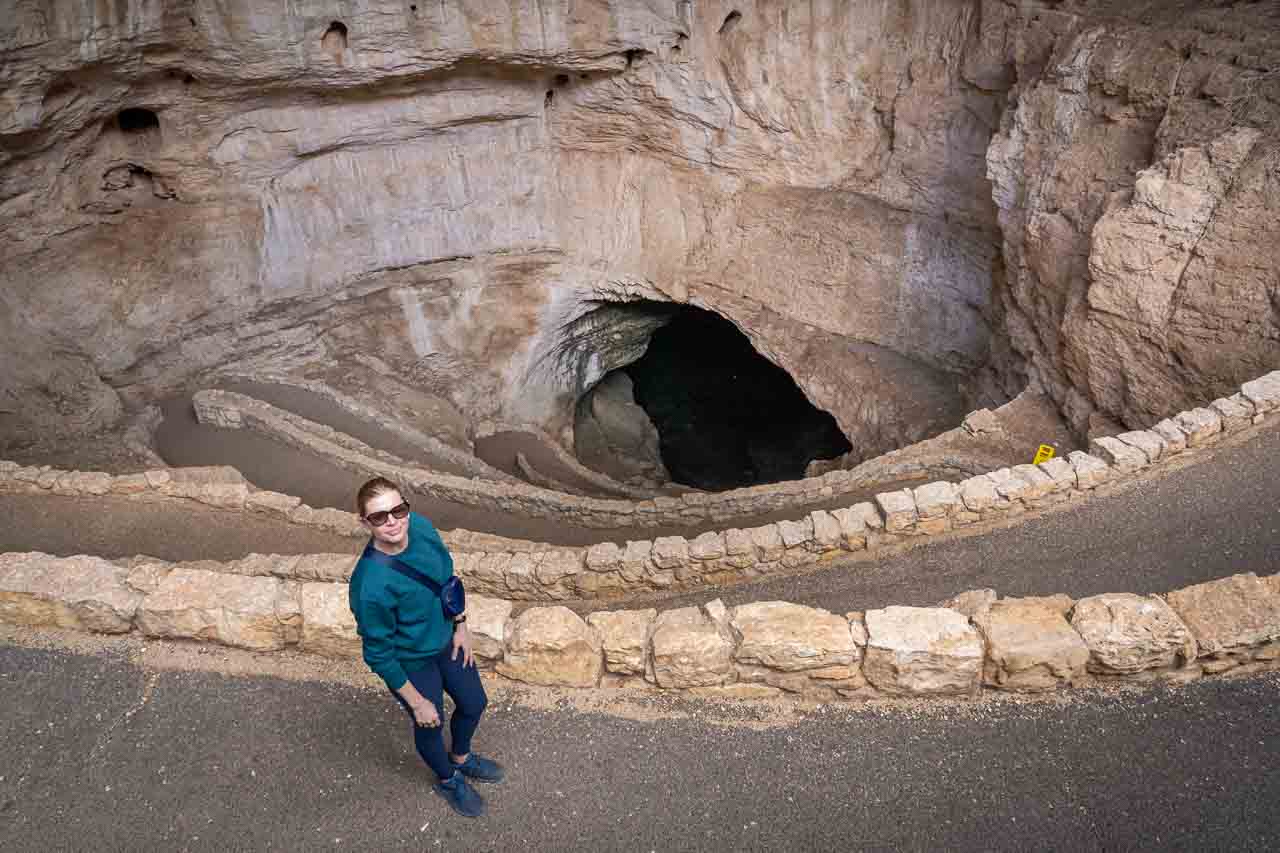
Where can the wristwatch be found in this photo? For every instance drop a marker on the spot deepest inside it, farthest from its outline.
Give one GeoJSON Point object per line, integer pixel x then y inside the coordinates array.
{"type": "Point", "coordinates": [458, 620]}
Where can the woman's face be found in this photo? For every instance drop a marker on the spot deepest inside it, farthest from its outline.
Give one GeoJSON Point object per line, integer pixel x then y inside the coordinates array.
{"type": "Point", "coordinates": [394, 532]}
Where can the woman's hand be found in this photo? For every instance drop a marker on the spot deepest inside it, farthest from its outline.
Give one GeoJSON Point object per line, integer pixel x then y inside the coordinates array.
{"type": "Point", "coordinates": [425, 714]}
{"type": "Point", "coordinates": [462, 642]}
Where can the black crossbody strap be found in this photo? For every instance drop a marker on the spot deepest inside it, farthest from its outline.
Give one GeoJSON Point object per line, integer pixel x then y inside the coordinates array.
{"type": "Point", "coordinates": [403, 568]}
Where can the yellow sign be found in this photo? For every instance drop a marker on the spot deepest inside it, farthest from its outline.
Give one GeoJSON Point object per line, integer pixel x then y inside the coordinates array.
{"type": "Point", "coordinates": [1044, 454]}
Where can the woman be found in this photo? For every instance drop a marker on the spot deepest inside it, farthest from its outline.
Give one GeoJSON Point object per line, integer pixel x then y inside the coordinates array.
{"type": "Point", "coordinates": [410, 644]}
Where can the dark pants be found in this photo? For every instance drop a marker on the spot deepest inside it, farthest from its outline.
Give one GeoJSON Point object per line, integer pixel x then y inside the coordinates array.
{"type": "Point", "coordinates": [462, 683]}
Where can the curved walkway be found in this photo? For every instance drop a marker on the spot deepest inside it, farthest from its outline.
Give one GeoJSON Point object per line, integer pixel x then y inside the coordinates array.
{"type": "Point", "coordinates": [1216, 515]}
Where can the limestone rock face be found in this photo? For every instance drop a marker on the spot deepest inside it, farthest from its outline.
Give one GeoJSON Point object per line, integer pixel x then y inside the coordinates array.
{"type": "Point", "coordinates": [625, 637]}
{"type": "Point", "coordinates": [689, 649]}
{"type": "Point", "coordinates": [1030, 647]}
{"type": "Point", "coordinates": [249, 612]}
{"type": "Point", "coordinates": [922, 650]}
{"type": "Point", "coordinates": [1136, 210]}
{"type": "Point", "coordinates": [1128, 633]}
{"type": "Point", "coordinates": [82, 593]}
{"type": "Point", "coordinates": [791, 637]}
{"type": "Point", "coordinates": [552, 645]}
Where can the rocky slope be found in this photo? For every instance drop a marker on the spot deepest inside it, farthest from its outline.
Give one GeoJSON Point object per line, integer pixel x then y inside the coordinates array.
{"type": "Point", "coordinates": [912, 207]}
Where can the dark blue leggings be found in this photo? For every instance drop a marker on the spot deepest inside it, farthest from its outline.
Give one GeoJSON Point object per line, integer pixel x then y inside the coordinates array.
{"type": "Point", "coordinates": [462, 683]}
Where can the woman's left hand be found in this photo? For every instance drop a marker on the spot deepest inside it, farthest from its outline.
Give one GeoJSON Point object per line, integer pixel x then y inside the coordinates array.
{"type": "Point", "coordinates": [462, 642]}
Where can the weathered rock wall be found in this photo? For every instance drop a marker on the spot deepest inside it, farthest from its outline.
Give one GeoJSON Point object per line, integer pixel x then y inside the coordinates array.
{"type": "Point", "coordinates": [442, 193]}
{"type": "Point", "coordinates": [1138, 180]}
{"type": "Point", "coordinates": [439, 192]}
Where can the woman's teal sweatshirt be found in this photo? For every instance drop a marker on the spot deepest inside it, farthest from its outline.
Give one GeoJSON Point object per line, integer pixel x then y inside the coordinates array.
{"type": "Point", "coordinates": [400, 621]}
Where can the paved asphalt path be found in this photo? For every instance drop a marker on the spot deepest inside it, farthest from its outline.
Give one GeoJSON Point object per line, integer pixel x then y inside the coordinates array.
{"type": "Point", "coordinates": [1218, 516]}
{"type": "Point", "coordinates": [96, 754]}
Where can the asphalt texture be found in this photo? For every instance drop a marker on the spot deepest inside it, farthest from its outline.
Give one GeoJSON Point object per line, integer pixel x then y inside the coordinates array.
{"type": "Point", "coordinates": [1218, 516]}
{"type": "Point", "coordinates": [98, 754]}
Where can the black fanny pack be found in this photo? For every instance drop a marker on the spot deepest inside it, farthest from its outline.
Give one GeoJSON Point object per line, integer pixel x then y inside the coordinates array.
{"type": "Point", "coordinates": [453, 598]}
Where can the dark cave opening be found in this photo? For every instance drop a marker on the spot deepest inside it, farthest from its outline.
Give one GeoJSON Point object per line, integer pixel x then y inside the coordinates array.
{"type": "Point", "coordinates": [726, 416]}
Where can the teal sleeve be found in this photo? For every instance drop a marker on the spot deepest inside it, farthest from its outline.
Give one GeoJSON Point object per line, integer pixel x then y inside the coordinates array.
{"type": "Point", "coordinates": [376, 625]}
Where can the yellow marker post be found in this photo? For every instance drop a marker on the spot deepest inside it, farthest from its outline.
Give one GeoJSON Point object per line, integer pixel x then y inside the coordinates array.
{"type": "Point", "coordinates": [1044, 454]}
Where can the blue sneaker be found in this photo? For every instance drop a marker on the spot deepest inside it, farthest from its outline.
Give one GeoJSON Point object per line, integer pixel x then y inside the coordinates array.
{"type": "Point", "coordinates": [479, 768]}
{"type": "Point", "coordinates": [460, 796]}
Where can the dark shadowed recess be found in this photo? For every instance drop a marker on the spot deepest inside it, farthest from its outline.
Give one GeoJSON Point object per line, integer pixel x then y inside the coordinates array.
{"type": "Point", "coordinates": [727, 417]}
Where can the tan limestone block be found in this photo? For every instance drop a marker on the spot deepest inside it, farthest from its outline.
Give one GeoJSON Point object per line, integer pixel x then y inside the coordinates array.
{"type": "Point", "coordinates": [1200, 425]}
{"type": "Point", "coordinates": [670, 552]}
{"type": "Point", "coordinates": [1061, 473]}
{"type": "Point", "coordinates": [1236, 412]}
{"type": "Point", "coordinates": [82, 593]}
{"type": "Point", "coordinates": [1121, 456]}
{"type": "Point", "coordinates": [553, 646]}
{"type": "Point", "coordinates": [979, 493]}
{"type": "Point", "coordinates": [1039, 484]}
{"type": "Point", "coordinates": [1030, 647]}
{"type": "Point", "coordinates": [555, 566]}
{"type": "Point", "coordinates": [636, 560]}
{"type": "Point", "coordinates": [707, 546]}
{"type": "Point", "coordinates": [1175, 440]}
{"type": "Point", "coordinates": [604, 557]}
{"type": "Point", "coordinates": [1229, 615]}
{"type": "Point", "coordinates": [194, 604]}
{"type": "Point", "coordinates": [937, 500]}
{"type": "Point", "coordinates": [790, 637]}
{"type": "Point", "coordinates": [328, 626]}
{"type": "Point", "coordinates": [325, 567]}
{"type": "Point", "coordinates": [688, 649]}
{"type": "Point", "coordinates": [1090, 470]}
{"type": "Point", "coordinates": [624, 634]}
{"type": "Point", "coordinates": [1148, 441]}
{"type": "Point", "coordinates": [487, 620]}
{"type": "Point", "coordinates": [899, 509]}
{"type": "Point", "coordinates": [827, 535]}
{"type": "Point", "coordinates": [796, 534]}
{"type": "Point", "coordinates": [922, 651]}
{"type": "Point", "coordinates": [768, 542]}
{"type": "Point", "coordinates": [1263, 392]}
{"type": "Point", "coordinates": [1129, 633]}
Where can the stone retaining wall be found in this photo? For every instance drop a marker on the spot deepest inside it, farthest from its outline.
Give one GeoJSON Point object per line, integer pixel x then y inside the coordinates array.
{"type": "Point", "coordinates": [768, 648]}
{"type": "Point", "coordinates": [535, 571]}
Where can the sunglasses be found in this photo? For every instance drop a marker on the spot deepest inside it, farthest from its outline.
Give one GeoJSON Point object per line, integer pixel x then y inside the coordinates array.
{"type": "Point", "coordinates": [379, 518]}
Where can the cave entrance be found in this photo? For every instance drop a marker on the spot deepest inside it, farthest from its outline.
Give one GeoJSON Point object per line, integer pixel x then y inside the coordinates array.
{"type": "Point", "coordinates": [725, 416]}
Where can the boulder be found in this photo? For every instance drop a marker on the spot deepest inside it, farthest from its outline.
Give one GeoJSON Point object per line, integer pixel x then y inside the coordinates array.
{"type": "Point", "coordinates": [194, 604]}
{"type": "Point", "coordinates": [1263, 392]}
{"type": "Point", "coordinates": [82, 593]}
{"type": "Point", "coordinates": [328, 626]}
{"type": "Point", "coordinates": [1030, 647]}
{"type": "Point", "coordinates": [624, 634]}
{"type": "Point", "coordinates": [937, 500]}
{"type": "Point", "coordinates": [1129, 633]}
{"type": "Point", "coordinates": [791, 637]}
{"type": "Point", "coordinates": [1175, 440]}
{"type": "Point", "coordinates": [1148, 441]}
{"type": "Point", "coordinates": [921, 651]}
{"type": "Point", "coordinates": [1090, 470]}
{"type": "Point", "coordinates": [1236, 412]}
{"type": "Point", "coordinates": [1200, 425]}
{"type": "Point", "coordinates": [1123, 457]}
{"type": "Point", "coordinates": [689, 649]}
{"type": "Point", "coordinates": [1230, 615]}
{"type": "Point", "coordinates": [487, 622]}
{"type": "Point", "coordinates": [899, 509]}
{"type": "Point", "coordinates": [552, 645]}
{"type": "Point", "coordinates": [971, 602]}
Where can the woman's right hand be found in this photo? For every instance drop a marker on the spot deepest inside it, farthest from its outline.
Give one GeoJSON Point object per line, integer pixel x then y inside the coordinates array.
{"type": "Point", "coordinates": [425, 714]}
